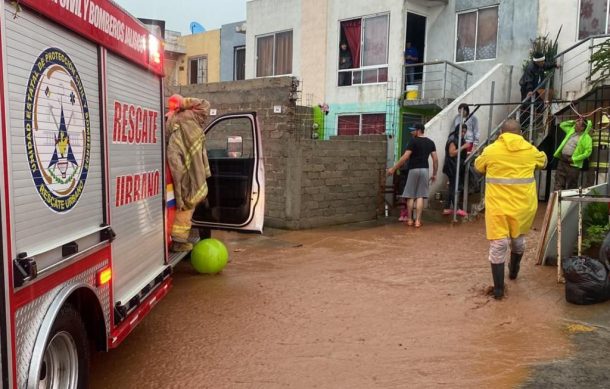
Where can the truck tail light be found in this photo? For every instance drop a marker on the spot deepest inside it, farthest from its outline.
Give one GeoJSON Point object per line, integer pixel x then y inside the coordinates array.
{"type": "Point", "coordinates": [104, 276]}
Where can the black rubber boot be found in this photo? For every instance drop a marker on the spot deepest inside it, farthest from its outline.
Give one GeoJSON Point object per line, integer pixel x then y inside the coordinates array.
{"type": "Point", "coordinates": [514, 265]}
{"type": "Point", "coordinates": [497, 271]}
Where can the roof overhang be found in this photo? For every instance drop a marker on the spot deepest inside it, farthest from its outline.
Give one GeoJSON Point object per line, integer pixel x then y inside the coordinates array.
{"type": "Point", "coordinates": [430, 3]}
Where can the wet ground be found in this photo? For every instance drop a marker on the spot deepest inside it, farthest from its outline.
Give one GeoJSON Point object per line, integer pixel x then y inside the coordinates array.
{"type": "Point", "coordinates": [362, 306]}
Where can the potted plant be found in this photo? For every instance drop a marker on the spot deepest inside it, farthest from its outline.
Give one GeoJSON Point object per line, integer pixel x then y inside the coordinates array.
{"type": "Point", "coordinates": [595, 228]}
{"type": "Point", "coordinates": [600, 63]}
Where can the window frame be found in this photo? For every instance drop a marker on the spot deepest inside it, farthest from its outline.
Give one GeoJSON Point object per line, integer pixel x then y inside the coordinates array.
{"type": "Point", "coordinates": [476, 33]}
{"type": "Point", "coordinates": [578, 38]}
{"type": "Point", "coordinates": [360, 115]}
{"type": "Point", "coordinates": [362, 69]}
{"type": "Point", "coordinates": [274, 34]}
{"type": "Point", "coordinates": [198, 58]}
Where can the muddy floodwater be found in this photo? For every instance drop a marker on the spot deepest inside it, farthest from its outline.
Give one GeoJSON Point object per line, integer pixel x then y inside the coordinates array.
{"type": "Point", "coordinates": [373, 305]}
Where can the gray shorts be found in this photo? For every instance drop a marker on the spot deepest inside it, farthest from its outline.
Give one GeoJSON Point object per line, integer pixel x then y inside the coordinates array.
{"type": "Point", "coordinates": [417, 184]}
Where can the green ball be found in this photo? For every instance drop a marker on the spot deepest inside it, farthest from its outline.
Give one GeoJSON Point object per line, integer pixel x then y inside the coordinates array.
{"type": "Point", "coordinates": [209, 256]}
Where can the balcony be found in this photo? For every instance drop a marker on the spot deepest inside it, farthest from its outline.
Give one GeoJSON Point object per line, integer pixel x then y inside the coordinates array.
{"type": "Point", "coordinates": [433, 84]}
{"type": "Point", "coordinates": [172, 43]}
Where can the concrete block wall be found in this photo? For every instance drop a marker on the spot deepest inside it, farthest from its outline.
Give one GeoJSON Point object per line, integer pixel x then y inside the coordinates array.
{"type": "Point", "coordinates": [340, 180]}
{"type": "Point", "coordinates": [308, 183]}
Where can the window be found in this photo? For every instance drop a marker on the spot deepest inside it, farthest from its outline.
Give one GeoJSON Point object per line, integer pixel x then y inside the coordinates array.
{"type": "Point", "coordinates": [361, 124]}
{"type": "Point", "coordinates": [477, 35]}
{"type": "Point", "coordinates": [239, 63]}
{"type": "Point", "coordinates": [363, 50]}
{"type": "Point", "coordinates": [593, 18]}
{"type": "Point", "coordinates": [198, 70]}
{"type": "Point", "coordinates": [274, 54]}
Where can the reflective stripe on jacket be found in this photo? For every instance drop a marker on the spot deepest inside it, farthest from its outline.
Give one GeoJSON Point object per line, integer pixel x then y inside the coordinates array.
{"type": "Point", "coordinates": [510, 192]}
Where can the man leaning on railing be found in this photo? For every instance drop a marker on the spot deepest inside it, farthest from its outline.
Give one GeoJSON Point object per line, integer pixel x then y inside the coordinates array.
{"type": "Point", "coordinates": [530, 80]}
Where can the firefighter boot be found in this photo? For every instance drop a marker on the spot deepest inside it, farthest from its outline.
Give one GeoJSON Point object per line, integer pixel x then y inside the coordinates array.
{"type": "Point", "coordinates": [514, 265]}
{"type": "Point", "coordinates": [497, 271]}
{"type": "Point", "coordinates": [181, 247]}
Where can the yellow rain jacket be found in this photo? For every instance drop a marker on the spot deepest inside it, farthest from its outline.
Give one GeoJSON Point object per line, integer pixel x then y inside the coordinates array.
{"type": "Point", "coordinates": [510, 192]}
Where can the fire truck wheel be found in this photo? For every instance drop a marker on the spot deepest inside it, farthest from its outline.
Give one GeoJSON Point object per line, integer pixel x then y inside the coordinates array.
{"type": "Point", "coordinates": [66, 356]}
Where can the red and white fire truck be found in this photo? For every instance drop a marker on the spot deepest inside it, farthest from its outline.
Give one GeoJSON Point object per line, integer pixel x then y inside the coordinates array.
{"type": "Point", "coordinates": [85, 199]}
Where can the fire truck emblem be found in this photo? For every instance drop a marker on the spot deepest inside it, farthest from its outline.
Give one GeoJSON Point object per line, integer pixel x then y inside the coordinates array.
{"type": "Point", "coordinates": [57, 130]}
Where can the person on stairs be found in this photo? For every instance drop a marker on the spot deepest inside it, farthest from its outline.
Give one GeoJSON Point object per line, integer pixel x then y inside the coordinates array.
{"type": "Point", "coordinates": [510, 198]}
{"type": "Point", "coordinates": [572, 152]}
{"type": "Point", "coordinates": [450, 167]}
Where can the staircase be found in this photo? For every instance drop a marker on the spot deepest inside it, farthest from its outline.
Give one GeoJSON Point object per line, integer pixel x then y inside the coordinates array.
{"type": "Point", "coordinates": [494, 86]}
{"type": "Point", "coordinates": [571, 82]}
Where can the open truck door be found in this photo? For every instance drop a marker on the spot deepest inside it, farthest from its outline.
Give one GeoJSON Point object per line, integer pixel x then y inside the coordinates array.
{"type": "Point", "coordinates": [236, 189]}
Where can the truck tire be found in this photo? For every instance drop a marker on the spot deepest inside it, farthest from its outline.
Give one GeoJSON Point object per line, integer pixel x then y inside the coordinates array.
{"type": "Point", "coordinates": [65, 364]}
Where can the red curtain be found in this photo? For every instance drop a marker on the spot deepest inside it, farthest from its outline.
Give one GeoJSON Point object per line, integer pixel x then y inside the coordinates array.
{"type": "Point", "coordinates": [352, 31]}
{"type": "Point", "coordinates": [373, 123]}
{"type": "Point", "coordinates": [348, 125]}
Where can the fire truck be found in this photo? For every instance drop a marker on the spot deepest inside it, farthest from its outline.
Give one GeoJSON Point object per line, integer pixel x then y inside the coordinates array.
{"type": "Point", "coordinates": [85, 197]}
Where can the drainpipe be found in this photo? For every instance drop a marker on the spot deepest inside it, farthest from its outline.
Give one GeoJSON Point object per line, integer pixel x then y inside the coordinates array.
{"type": "Point", "coordinates": [491, 107]}
{"type": "Point", "coordinates": [457, 169]}
{"type": "Point", "coordinates": [445, 81]}
{"type": "Point", "coordinates": [531, 129]}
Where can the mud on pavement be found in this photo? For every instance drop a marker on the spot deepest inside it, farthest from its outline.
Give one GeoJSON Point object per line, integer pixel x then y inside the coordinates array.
{"type": "Point", "coordinates": [358, 306]}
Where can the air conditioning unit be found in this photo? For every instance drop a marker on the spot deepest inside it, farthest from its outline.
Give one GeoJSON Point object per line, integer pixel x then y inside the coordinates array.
{"type": "Point", "coordinates": [241, 28]}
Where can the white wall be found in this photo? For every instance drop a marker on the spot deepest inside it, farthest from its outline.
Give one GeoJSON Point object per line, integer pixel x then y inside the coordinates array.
{"type": "Point", "coordinates": [338, 11]}
{"type": "Point", "coordinates": [553, 14]}
{"type": "Point", "coordinates": [517, 24]}
{"type": "Point", "coordinates": [268, 16]}
{"type": "Point", "coordinates": [439, 127]}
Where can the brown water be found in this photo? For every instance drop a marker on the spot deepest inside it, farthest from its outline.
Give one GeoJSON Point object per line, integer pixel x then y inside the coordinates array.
{"type": "Point", "coordinates": [385, 306]}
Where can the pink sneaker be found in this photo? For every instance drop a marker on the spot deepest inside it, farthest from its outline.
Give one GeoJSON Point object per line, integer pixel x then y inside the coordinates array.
{"type": "Point", "coordinates": [403, 215]}
{"type": "Point", "coordinates": [447, 211]}
{"type": "Point", "coordinates": [462, 213]}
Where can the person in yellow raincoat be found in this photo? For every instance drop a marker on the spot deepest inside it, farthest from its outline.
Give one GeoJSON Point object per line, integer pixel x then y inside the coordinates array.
{"type": "Point", "coordinates": [188, 163]}
{"type": "Point", "coordinates": [510, 198]}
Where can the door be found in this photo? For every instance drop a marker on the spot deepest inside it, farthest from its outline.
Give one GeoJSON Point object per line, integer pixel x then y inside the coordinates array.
{"type": "Point", "coordinates": [135, 149]}
{"type": "Point", "coordinates": [4, 381]}
{"type": "Point", "coordinates": [236, 189]}
{"type": "Point", "coordinates": [54, 129]}
{"type": "Point", "coordinates": [239, 65]}
{"type": "Point", "coordinates": [416, 36]}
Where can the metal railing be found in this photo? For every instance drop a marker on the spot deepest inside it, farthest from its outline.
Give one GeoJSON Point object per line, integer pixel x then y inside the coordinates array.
{"type": "Point", "coordinates": [435, 80]}
{"type": "Point", "coordinates": [535, 113]}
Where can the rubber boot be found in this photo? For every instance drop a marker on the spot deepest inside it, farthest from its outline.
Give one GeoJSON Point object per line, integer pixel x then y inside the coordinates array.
{"type": "Point", "coordinates": [514, 265]}
{"type": "Point", "coordinates": [497, 271]}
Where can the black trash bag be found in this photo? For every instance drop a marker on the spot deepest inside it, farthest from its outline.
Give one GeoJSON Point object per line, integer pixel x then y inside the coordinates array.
{"type": "Point", "coordinates": [587, 280]}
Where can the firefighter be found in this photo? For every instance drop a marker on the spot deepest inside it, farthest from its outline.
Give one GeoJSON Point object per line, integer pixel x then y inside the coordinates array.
{"type": "Point", "coordinates": [188, 162]}
{"type": "Point", "coordinates": [510, 198]}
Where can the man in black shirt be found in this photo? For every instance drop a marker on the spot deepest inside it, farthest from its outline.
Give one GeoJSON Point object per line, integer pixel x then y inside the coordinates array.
{"type": "Point", "coordinates": [533, 74]}
{"type": "Point", "coordinates": [416, 190]}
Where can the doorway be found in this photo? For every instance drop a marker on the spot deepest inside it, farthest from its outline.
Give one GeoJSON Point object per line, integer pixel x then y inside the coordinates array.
{"type": "Point", "coordinates": [416, 36]}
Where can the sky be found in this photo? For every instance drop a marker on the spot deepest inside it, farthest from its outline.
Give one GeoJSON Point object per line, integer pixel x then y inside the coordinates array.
{"type": "Point", "coordinates": [210, 13]}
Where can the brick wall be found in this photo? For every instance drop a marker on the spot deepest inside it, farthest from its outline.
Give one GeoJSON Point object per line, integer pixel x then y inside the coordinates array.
{"type": "Point", "coordinates": [308, 182]}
